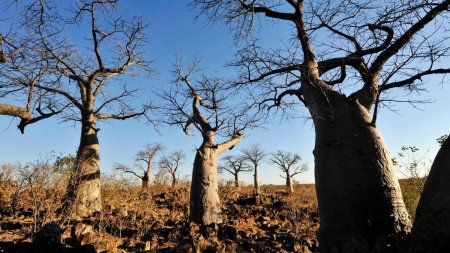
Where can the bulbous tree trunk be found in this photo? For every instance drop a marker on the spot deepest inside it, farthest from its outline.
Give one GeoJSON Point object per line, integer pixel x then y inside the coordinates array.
{"type": "Point", "coordinates": [83, 196]}
{"type": "Point", "coordinates": [358, 192]}
{"type": "Point", "coordinates": [204, 199]}
{"type": "Point", "coordinates": [432, 223]}
{"type": "Point", "coordinates": [289, 186]}
{"type": "Point", "coordinates": [256, 182]}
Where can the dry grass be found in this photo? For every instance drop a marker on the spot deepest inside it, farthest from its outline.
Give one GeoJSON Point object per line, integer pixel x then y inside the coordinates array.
{"type": "Point", "coordinates": [157, 219]}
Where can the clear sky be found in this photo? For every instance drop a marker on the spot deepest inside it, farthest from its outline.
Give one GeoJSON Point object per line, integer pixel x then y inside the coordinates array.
{"type": "Point", "coordinates": [173, 28]}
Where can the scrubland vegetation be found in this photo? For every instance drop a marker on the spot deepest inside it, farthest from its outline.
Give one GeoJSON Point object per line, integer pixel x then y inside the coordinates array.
{"type": "Point", "coordinates": [156, 219]}
{"type": "Point", "coordinates": [134, 219]}
{"type": "Point", "coordinates": [343, 61]}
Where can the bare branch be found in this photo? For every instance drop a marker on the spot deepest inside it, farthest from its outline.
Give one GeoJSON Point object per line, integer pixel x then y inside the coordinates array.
{"type": "Point", "coordinates": [407, 36]}
{"type": "Point", "coordinates": [126, 169]}
{"type": "Point", "coordinates": [412, 79]}
{"type": "Point", "coordinates": [229, 144]}
{"type": "Point", "coordinates": [288, 163]}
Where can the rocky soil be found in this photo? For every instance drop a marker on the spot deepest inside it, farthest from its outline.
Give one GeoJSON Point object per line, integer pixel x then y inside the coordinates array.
{"type": "Point", "coordinates": [157, 222]}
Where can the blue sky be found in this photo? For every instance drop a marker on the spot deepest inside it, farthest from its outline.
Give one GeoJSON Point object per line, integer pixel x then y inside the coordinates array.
{"type": "Point", "coordinates": [173, 28]}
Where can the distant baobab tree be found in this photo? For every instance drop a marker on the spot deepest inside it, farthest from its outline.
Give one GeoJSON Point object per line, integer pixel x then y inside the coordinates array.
{"type": "Point", "coordinates": [234, 165]}
{"type": "Point", "coordinates": [255, 156]}
{"type": "Point", "coordinates": [288, 163]}
{"type": "Point", "coordinates": [90, 72]}
{"type": "Point", "coordinates": [204, 104]}
{"type": "Point", "coordinates": [342, 60]}
{"type": "Point", "coordinates": [144, 162]}
{"type": "Point", "coordinates": [171, 163]}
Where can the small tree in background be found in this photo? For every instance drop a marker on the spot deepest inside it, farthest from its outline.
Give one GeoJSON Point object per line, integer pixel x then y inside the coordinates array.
{"type": "Point", "coordinates": [171, 163]}
{"type": "Point", "coordinates": [255, 155]}
{"type": "Point", "coordinates": [410, 163]}
{"type": "Point", "coordinates": [413, 165]}
{"type": "Point", "coordinates": [234, 165]}
{"type": "Point", "coordinates": [288, 163]}
{"type": "Point", "coordinates": [144, 162]}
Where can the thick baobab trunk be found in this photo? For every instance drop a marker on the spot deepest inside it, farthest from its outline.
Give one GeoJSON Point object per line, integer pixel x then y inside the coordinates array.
{"type": "Point", "coordinates": [204, 200]}
{"type": "Point", "coordinates": [432, 224]}
{"type": "Point", "coordinates": [83, 195]}
{"type": "Point", "coordinates": [358, 192]}
{"type": "Point", "coordinates": [289, 186]}
{"type": "Point", "coordinates": [236, 180]}
{"type": "Point", "coordinates": [256, 182]}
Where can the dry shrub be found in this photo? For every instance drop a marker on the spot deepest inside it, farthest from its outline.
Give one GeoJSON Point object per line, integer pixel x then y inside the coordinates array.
{"type": "Point", "coordinates": [32, 191]}
{"type": "Point", "coordinates": [157, 217]}
{"type": "Point", "coordinates": [136, 213]}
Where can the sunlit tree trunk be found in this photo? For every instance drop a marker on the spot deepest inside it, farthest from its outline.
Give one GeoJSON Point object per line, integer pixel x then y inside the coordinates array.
{"type": "Point", "coordinates": [83, 195]}
{"type": "Point", "coordinates": [289, 186]}
{"type": "Point", "coordinates": [256, 181]}
{"type": "Point", "coordinates": [204, 200]}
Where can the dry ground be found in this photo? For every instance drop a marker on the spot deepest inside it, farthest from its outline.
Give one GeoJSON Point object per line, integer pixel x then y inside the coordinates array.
{"type": "Point", "coordinates": [156, 221]}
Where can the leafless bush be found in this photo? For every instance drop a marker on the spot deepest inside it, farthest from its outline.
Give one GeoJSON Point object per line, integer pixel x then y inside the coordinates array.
{"type": "Point", "coordinates": [33, 189]}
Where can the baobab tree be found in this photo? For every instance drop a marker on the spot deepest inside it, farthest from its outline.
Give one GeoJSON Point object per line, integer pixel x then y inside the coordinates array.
{"type": "Point", "coordinates": [432, 223]}
{"type": "Point", "coordinates": [287, 162]}
{"type": "Point", "coordinates": [144, 162]}
{"type": "Point", "coordinates": [234, 165]}
{"type": "Point", "coordinates": [254, 155]}
{"type": "Point", "coordinates": [171, 163]}
{"type": "Point", "coordinates": [205, 105]}
{"type": "Point", "coordinates": [90, 72]}
{"type": "Point", "coordinates": [341, 62]}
